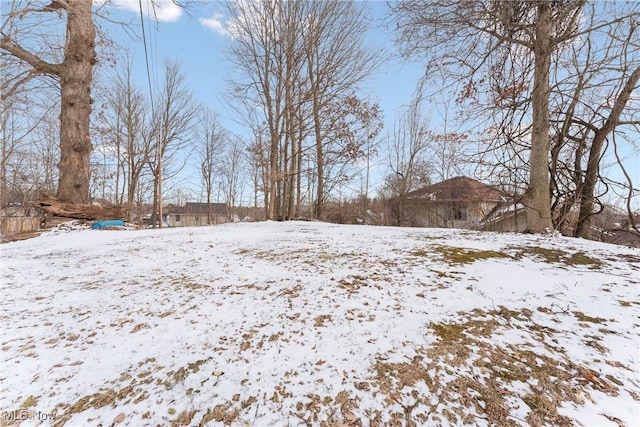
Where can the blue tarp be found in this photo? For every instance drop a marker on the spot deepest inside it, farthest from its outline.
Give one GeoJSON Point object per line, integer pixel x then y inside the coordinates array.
{"type": "Point", "coordinates": [107, 223]}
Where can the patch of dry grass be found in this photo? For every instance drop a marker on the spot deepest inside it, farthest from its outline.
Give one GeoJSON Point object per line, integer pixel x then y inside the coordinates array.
{"type": "Point", "coordinates": [584, 318]}
{"type": "Point", "coordinates": [557, 256]}
{"type": "Point", "coordinates": [464, 366]}
{"type": "Point", "coordinates": [454, 255]}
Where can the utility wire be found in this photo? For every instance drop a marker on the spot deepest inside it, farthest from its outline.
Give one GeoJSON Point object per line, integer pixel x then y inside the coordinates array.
{"type": "Point", "coordinates": [153, 39]}
{"type": "Point", "coordinates": [146, 55]}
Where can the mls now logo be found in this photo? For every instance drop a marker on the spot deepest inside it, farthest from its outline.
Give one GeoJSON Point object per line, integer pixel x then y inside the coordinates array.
{"type": "Point", "coordinates": [23, 415]}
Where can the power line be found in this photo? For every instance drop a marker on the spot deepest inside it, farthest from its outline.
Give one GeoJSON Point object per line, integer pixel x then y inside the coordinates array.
{"type": "Point", "coordinates": [153, 42]}
{"type": "Point", "coordinates": [146, 55]}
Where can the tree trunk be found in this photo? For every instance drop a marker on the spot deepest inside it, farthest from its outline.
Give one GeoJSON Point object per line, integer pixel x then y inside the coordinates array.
{"type": "Point", "coordinates": [273, 177]}
{"type": "Point", "coordinates": [154, 212]}
{"type": "Point", "coordinates": [317, 128]}
{"type": "Point", "coordinates": [52, 206]}
{"type": "Point", "coordinates": [298, 212]}
{"type": "Point", "coordinates": [538, 208]}
{"type": "Point", "coordinates": [595, 153]}
{"type": "Point", "coordinates": [320, 169]}
{"type": "Point", "coordinates": [131, 196]}
{"type": "Point", "coordinates": [75, 84]}
{"type": "Point", "coordinates": [160, 212]}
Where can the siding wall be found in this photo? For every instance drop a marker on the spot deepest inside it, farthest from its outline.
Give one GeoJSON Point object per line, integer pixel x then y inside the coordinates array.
{"type": "Point", "coordinates": [20, 224]}
{"type": "Point", "coordinates": [439, 214]}
{"type": "Point", "coordinates": [192, 220]}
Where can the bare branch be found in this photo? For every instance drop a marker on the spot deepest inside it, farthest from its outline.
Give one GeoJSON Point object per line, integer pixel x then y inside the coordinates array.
{"type": "Point", "coordinates": [39, 66]}
{"type": "Point", "coordinates": [56, 5]}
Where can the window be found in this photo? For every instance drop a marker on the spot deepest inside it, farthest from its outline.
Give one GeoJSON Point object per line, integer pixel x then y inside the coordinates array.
{"type": "Point", "coordinates": [197, 219]}
{"type": "Point", "coordinates": [458, 212]}
{"type": "Point", "coordinates": [177, 218]}
{"type": "Point", "coordinates": [461, 213]}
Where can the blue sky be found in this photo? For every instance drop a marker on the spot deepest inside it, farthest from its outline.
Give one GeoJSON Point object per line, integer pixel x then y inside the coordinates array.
{"type": "Point", "coordinates": [199, 47]}
{"type": "Point", "coordinates": [197, 40]}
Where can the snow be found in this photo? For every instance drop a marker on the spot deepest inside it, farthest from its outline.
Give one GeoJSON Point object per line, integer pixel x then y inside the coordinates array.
{"type": "Point", "coordinates": [303, 322]}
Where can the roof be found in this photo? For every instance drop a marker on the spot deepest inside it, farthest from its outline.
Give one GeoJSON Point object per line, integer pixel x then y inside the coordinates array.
{"type": "Point", "coordinates": [460, 188]}
{"type": "Point", "coordinates": [195, 208]}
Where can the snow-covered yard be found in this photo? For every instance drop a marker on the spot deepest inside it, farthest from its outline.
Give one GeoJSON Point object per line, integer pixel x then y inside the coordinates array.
{"type": "Point", "coordinates": [307, 323]}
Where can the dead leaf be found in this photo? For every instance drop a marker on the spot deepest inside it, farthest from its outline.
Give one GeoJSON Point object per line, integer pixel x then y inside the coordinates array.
{"type": "Point", "coordinates": [635, 395]}
{"type": "Point", "coordinates": [614, 419]}
{"type": "Point", "coordinates": [118, 419]}
{"type": "Point", "coordinates": [350, 417]}
{"type": "Point", "coordinates": [138, 327]}
{"type": "Point", "coordinates": [614, 363]}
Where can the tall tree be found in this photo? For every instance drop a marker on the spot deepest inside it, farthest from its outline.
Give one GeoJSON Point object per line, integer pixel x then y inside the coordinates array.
{"type": "Point", "coordinates": [447, 144]}
{"type": "Point", "coordinates": [74, 74]}
{"type": "Point", "coordinates": [232, 174]}
{"type": "Point", "coordinates": [351, 129]}
{"type": "Point", "coordinates": [612, 116]}
{"type": "Point", "coordinates": [257, 158]}
{"type": "Point", "coordinates": [171, 124]}
{"type": "Point", "coordinates": [258, 55]}
{"type": "Point", "coordinates": [337, 60]}
{"type": "Point", "coordinates": [467, 38]}
{"type": "Point", "coordinates": [125, 119]}
{"type": "Point", "coordinates": [211, 143]}
{"type": "Point", "coordinates": [408, 151]}
{"type": "Point", "coordinates": [297, 63]}
{"type": "Point", "coordinates": [409, 161]}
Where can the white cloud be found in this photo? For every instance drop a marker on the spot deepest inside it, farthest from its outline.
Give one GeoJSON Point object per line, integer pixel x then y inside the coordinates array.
{"type": "Point", "coordinates": [163, 11]}
{"type": "Point", "coordinates": [215, 24]}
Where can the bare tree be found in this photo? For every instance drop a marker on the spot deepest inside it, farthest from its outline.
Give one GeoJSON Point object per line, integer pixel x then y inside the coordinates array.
{"type": "Point", "coordinates": [627, 84]}
{"type": "Point", "coordinates": [30, 147]}
{"type": "Point", "coordinates": [232, 176]}
{"type": "Point", "coordinates": [447, 146]}
{"type": "Point", "coordinates": [408, 151]}
{"type": "Point", "coordinates": [125, 119]}
{"type": "Point", "coordinates": [46, 152]}
{"type": "Point", "coordinates": [12, 140]}
{"type": "Point", "coordinates": [260, 79]}
{"type": "Point", "coordinates": [296, 62]}
{"type": "Point", "coordinates": [211, 140]}
{"type": "Point", "coordinates": [590, 110]}
{"type": "Point", "coordinates": [337, 60]}
{"type": "Point", "coordinates": [171, 124]}
{"type": "Point", "coordinates": [350, 129]}
{"type": "Point", "coordinates": [74, 74]}
{"type": "Point", "coordinates": [472, 35]}
{"type": "Point", "coordinates": [408, 161]}
{"type": "Point", "coordinates": [257, 158]}
{"type": "Point", "coordinates": [632, 217]}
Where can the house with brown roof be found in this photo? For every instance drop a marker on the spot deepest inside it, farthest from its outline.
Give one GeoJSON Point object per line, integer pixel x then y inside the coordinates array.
{"type": "Point", "coordinates": [459, 202]}
{"type": "Point", "coordinates": [194, 214]}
